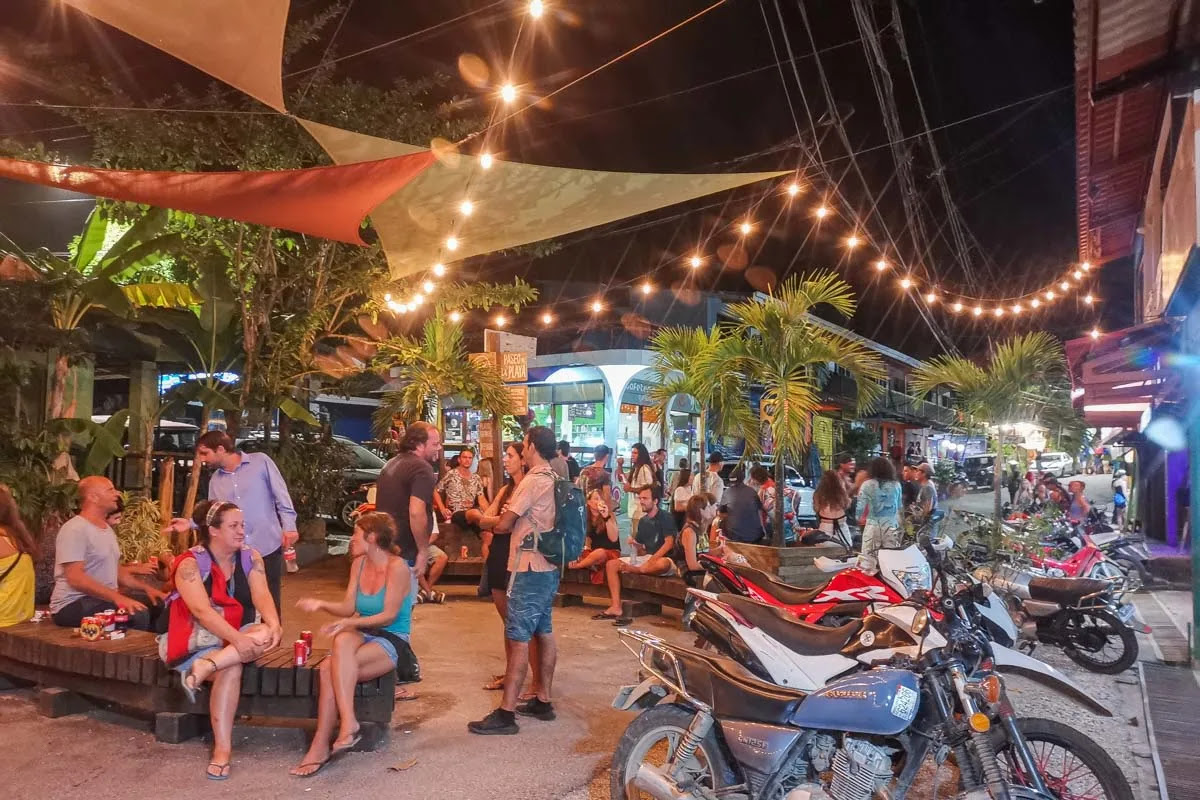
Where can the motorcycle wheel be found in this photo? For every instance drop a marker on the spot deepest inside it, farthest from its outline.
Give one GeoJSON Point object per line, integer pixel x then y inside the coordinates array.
{"type": "Point", "coordinates": [1097, 641]}
{"type": "Point", "coordinates": [1073, 766]}
{"type": "Point", "coordinates": [652, 738]}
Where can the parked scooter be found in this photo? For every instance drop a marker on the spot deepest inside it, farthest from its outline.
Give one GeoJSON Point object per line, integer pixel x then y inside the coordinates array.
{"type": "Point", "coordinates": [709, 728]}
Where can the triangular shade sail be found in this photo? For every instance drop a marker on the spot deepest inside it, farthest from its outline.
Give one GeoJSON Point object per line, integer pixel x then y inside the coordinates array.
{"type": "Point", "coordinates": [329, 202]}
{"type": "Point", "coordinates": [514, 204]}
{"type": "Point", "coordinates": [239, 42]}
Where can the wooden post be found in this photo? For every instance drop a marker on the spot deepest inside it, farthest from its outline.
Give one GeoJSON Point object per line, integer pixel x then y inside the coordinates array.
{"type": "Point", "coordinates": [166, 487]}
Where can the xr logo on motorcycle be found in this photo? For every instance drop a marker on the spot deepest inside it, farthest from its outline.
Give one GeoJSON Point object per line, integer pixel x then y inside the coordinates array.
{"type": "Point", "coordinates": [858, 593]}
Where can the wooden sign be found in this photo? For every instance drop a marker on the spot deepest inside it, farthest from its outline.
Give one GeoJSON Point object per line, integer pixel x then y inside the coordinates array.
{"type": "Point", "coordinates": [513, 367]}
{"type": "Point", "coordinates": [487, 437]}
{"type": "Point", "coordinates": [505, 342]}
{"type": "Point", "coordinates": [518, 403]}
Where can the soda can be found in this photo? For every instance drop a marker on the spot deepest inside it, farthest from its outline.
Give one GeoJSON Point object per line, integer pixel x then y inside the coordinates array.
{"type": "Point", "coordinates": [299, 653]}
{"type": "Point", "coordinates": [121, 620]}
{"type": "Point", "coordinates": [307, 638]}
{"type": "Point", "coordinates": [107, 619]}
{"type": "Point", "coordinates": [463, 554]}
{"type": "Point", "coordinates": [91, 629]}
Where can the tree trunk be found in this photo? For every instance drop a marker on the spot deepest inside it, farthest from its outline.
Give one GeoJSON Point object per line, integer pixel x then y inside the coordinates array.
{"type": "Point", "coordinates": [702, 434]}
{"type": "Point", "coordinates": [189, 501]}
{"type": "Point", "coordinates": [58, 387]}
{"type": "Point", "coordinates": [997, 472]}
{"type": "Point", "coordinates": [777, 537]}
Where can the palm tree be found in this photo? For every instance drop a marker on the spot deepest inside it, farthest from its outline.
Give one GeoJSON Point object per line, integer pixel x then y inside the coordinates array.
{"type": "Point", "coordinates": [434, 368]}
{"type": "Point", "coordinates": [680, 356]}
{"type": "Point", "coordinates": [774, 344]}
{"type": "Point", "coordinates": [1001, 392]}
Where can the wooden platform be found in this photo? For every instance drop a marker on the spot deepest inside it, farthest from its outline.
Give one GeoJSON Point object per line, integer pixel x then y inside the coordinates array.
{"type": "Point", "coordinates": [1172, 699]}
{"type": "Point", "coordinates": [70, 672]}
{"type": "Point", "coordinates": [640, 594]}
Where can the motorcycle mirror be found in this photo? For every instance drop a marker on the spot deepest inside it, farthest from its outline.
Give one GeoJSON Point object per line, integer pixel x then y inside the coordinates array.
{"type": "Point", "coordinates": [920, 623]}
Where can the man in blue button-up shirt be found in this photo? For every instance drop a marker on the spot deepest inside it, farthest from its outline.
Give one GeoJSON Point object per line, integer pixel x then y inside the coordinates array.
{"type": "Point", "coordinates": [253, 482]}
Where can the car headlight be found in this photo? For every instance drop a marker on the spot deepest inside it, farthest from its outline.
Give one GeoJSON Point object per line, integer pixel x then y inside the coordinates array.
{"type": "Point", "coordinates": [915, 578]}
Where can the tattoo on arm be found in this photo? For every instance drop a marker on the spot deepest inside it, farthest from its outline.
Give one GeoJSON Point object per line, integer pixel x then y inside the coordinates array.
{"type": "Point", "coordinates": [188, 571]}
{"type": "Point", "coordinates": [256, 564]}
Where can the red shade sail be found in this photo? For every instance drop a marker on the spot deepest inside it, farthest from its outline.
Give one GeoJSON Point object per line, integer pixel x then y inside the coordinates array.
{"type": "Point", "coordinates": [330, 202]}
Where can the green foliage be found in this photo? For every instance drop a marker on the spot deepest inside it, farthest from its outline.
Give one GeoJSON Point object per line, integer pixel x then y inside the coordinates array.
{"type": "Point", "coordinates": [861, 443]}
{"type": "Point", "coordinates": [29, 467]}
{"type": "Point", "coordinates": [139, 534]}
{"type": "Point", "coordinates": [103, 440]}
{"type": "Point", "coordinates": [312, 467]}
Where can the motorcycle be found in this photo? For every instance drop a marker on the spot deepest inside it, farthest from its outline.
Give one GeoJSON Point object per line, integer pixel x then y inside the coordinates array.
{"type": "Point", "coordinates": [710, 728]}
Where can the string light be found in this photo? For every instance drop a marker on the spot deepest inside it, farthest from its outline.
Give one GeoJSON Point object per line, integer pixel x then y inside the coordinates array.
{"type": "Point", "coordinates": [486, 160]}
{"type": "Point", "coordinates": [647, 287]}
{"type": "Point", "coordinates": [696, 262]}
{"type": "Point", "coordinates": [1035, 302]}
{"type": "Point", "coordinates": [956, 308]}
{"type": "Point", "coordinates": [852, 241]}
{"type": "Point", "coordinates": [547, 318]}
{"type": "Point", "coordinates": [455, 316]}
{"type": "Point", "coordinates": [1064, 286]}
{"type": "Point", "coordinates": [417, 300]}
{"type": "Point", "coordinates": [977, 311]}
{"type": "Point", "coordinates": [905, 283]}
{"type": "Point", "coordinates": [931, 297]}
{"type": "Point", "coordinates": [466, 207]}
{"type": "Point", "coordinates": [1086, 266]}
{"type": "Point", "coordinates": [452, 243]}
{"type": "Point", "coordinates": [793, 189]}
{"type": "Point", "coordinates": [998, 311]}
{"type": "Point", "coordinates": [881, 265]}
{"type": "Point", "coordinates": [508, 93]}
{"type": "Point", "coordinates": [427, 287]}
{"type": "Point", "coordinates": [822, 212]}
{"type": "Point", "coordinates": [597, 306]}
{"type": "Point", "coordinates": [439, 269]}
{"type": "Point", "coordinates": [387, 298]}
{"type": "Point", "coordinates": [536, 8]}
{"type": "Point", "coordinates": [1049, 295]}
{"type": "Point", "coordinates": [501, 321]}
{"type": "Point", "coordinates": [1095, 333]}
{"type": "Point", "coordinates": [1078, 274]}
{"type": "Point", "coordinates": [1087, 298]}
{"type": "Point", "coordinates": [1017, 308]}
{"type": "Point", "coordinates": [746, 227]}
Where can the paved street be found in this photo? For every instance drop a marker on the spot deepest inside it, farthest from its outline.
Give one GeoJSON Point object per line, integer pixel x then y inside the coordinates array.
{"type": "Point", "coordinates": [1099, 491]}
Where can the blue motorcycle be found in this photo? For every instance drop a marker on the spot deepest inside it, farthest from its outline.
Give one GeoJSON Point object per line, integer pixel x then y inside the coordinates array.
{"type": "Point", "coordinates": [709, 729]}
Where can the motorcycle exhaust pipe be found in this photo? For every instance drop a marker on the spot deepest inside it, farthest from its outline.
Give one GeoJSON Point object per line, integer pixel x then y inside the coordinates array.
{"type": "Point", "coordinates": [657, 784]}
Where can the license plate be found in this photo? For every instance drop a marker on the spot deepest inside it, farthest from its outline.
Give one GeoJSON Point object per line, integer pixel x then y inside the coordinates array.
{"type": "Point", "coordinates": [622, 699]}
{"type": "Point", "coordinates": [1125, 613]}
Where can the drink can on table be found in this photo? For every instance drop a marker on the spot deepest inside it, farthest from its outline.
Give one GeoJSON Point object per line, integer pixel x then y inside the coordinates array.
{"type": "Point", "coordinates": [299, 653]}
{"type": "Point", "coordinates": [307, 638]}
{"type": "Point", "coordinates": [121, 620]}
{"type": "Point", "coordinates": [107, 619]}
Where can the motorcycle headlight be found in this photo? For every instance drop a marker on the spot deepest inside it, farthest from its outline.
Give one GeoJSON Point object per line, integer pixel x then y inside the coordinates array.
{"type": "Point", "coordinates": [913, 579]}
{"type": "Point", "coordinates": [920, 622]}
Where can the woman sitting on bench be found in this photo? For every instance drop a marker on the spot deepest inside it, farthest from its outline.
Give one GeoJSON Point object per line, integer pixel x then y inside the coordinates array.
{"type": "Point", "coordinates": [376, 620]}
{"type": "Point", "coordinates": [215, 629]}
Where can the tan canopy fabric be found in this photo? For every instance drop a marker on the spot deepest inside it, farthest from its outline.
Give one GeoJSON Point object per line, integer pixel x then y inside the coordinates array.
{"type": "Point", "coordinates": [329, 202]}
{"type": "Point", "coordinates": [514, 204]}
{"type": "Point", "coordinates": [239, 42]}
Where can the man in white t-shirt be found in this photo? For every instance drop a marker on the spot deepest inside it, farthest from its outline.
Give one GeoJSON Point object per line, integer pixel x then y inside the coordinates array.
{"type": "Point", "coordinates": [87, 563]}
{"type": "Point", "coordinates": [710, 482]}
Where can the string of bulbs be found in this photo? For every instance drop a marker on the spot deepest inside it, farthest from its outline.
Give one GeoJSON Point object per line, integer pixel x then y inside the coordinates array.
{"type": "Point", "coordinates": [1069, 283]}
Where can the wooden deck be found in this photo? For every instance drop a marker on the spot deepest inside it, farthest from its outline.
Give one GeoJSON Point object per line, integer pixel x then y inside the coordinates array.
{"type": "Point", "coordinates": [1173, 700]}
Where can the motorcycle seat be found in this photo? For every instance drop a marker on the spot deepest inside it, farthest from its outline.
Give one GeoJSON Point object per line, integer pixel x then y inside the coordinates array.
{"type": "Point", "coordinates": [1065, 591]}
{"type": "Point", "coordinates": [784, 593]}
{"type": "Point", "coordinates": [1105, 538]}
{"type": "Point", "coordinates": [799, 637]}
{"type": "Point", "coordinates": [826, 564]}
{"type": "Point", "coordinates": [733, 691]}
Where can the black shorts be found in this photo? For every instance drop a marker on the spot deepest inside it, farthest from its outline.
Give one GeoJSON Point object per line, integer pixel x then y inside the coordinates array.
{"type": "Point", "coordinates": [497, 562]}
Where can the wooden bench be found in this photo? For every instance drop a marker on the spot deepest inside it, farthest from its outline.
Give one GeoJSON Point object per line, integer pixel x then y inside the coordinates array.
{"type": "Point", "coordinates": [72, 674]}
{"type": "Point", "coordinates": [640, 594]}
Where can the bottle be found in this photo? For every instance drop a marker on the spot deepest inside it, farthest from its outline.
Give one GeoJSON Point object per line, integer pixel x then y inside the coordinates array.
{"type": "Point", "coordinates": [289, 559]}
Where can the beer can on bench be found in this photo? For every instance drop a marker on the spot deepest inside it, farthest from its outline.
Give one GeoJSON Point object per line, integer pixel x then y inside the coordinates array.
{"type": "Point", "coordinates": [307, 638]}
{"type": "Point", "coordinates": [299, 653]}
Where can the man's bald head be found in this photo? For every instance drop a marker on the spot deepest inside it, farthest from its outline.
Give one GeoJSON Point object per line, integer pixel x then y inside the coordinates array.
{"type": "Point", "coordinates": [98, 495]}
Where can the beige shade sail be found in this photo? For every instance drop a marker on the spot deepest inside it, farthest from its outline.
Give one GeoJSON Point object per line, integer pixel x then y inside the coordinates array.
{"type": "Point", "coordinates": [513, 204]}
{"type": "Point", "coordinates": [239, 42]}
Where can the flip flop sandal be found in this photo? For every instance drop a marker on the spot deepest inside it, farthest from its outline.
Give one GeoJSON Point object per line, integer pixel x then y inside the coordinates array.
{"type": "Point", "coordinates": [403, 693]}
{"type": "Point", "coordinates": [525, 697]}
{"type": "Point", "coordinates": [496, 684]}
{"type": "Point", "coordinates": [621, 622]}
{"type": "Point", "coordinates": [606, 615]}
{"type": "Point", "coordinates": [190, 689]}
{"type": "Point", "coordinates": [320, 765]}
{"type": "Point", "coordinates": [222, 773]}
{"type": "Point", "coordinates": [350, 745]}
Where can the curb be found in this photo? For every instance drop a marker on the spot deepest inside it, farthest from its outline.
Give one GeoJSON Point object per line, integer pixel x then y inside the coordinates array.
{"type": "Point", "coordinates": [1159, 776]}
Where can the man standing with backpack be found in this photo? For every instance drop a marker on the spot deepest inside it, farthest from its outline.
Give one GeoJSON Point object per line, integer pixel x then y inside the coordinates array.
{"type": "Point", "coordinates": [531, 511]}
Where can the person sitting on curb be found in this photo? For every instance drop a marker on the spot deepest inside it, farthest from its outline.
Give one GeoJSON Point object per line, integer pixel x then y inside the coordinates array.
{"type": "Point", "coordinates": [652, 545]}
{"type": "Point", "coordinates": [88, 570]}
{"type": "Point", "coordinates": [373, 629]}
{"type": "Point", "coordinates": [213, 623]}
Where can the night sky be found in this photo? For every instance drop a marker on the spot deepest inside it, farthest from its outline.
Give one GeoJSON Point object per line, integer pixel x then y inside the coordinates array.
{"type": "Point", "coordinates": [711, 97]}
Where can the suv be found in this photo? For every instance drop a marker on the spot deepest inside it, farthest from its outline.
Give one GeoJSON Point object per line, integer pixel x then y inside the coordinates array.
{"type": "Point", "coordinates": [805, 515]}
{"type": "Point", "coordinates": [1060, 465]}
{"type": "Point", "coordinates": [978, 470]}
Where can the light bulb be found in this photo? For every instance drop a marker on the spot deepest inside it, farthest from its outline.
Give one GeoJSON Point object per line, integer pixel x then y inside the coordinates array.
{"type": "Point", "coordinates": [977, 310]}
{"type": "Point", "coordinates": [439, 269]}
{"type": "Point", "coordinates": [931, 297]}
{"type": "Point", "coordinates": [1077, 274]}
{"type": "Point", "coordinates": [745, 228]}
{"type": "Point", "coordinates": [455, 316]}
{"type": "Point", "coordinates": [853, 241]}
{"type": "Point", "coordinates": [403, 308]}
{"type": "Point", "coordinates": [957, 307]}
{"type": "Point", "coordinates": [500, 321]}
{"type": "Point", "coordinates": [547, 318]}
{"type": "Point", "coordinates": [696, 261]}
{"type": "Point", "coordinates": [881, 265]}
{"type": "Point", "coordinates": [1095, 333]}
{"type": "Point", "coordinates": [508, 93]}
{"type": "Point", "coordinates": [1049, 295]}
{"type": "Point", "coordinates": [1087, 298]}
{"type": "Point", "coordinates": [1064, 286]}
{"type": "Point", "coordinates": [1035, 302]}
{"type": "Point", "coordinates": [905, 283]}
{"type": "Point", "coordinates": [793, 189]}
{"type": "Point", "coordinates": [486, 160]}
{"type": "Point", "coordinates": [427, 287]}
{"type": "Point", "coordinates": [647, 287]}
{"type": "Point", "coordinates": [452, 243]}
{"type": "Point", "coordinates": [822, 212]}
{"type": "Point", "coordinates": [1017, 309]}
{"type": "Point", "coordinates": [417, 299]}
{"type": "Point", "coordinates": [387, 298]}
{"type": "Point", "coordinates": [597, 306]}
{"type": "Point", "coordinates": [998, 311]}
{"type": "Point", "coordinates": [536, 8]}
{"type": "Point", "coordinates": [1086, 266]}
{"type": "Point", "coordinates": [466, 207]}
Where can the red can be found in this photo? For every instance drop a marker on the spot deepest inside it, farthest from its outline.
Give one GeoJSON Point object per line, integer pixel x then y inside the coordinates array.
{"type": "Point", "coordinates": [299, 653]}
{"type": "Point", "coordinates": [463, 553]}
{"type": "Point", "coordinates": [307, 638]}
{"type": "Point", "coordinates": [121, 620]}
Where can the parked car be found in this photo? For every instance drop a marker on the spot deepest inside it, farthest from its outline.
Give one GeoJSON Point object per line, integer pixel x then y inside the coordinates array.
{"type": "Point", "coordinates": [805, 515]}
{"type": "Point", "coordinates": [1060, 465]}
{"type": "Point", "coordinates": [363, 471]}
{"type": "Point", "coordinates": [979, 470]}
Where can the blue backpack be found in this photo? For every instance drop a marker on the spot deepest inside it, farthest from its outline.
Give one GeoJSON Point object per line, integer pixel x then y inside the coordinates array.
{"type": "Point", "coordinates": [563, 543]}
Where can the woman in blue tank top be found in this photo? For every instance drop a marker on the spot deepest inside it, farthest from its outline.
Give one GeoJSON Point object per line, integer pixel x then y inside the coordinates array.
{"type": "Point", "coordinates": [376, 618]}
{"type": "Point", "coordinates": [879, 506]}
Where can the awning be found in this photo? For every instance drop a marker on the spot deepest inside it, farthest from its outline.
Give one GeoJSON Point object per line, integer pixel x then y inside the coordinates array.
{"type": "Point", "coordinates": [1118, 376]}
